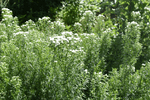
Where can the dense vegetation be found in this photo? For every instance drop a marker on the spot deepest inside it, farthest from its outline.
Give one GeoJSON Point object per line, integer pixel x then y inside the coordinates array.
{"type": "Point", "coordinates": [93, 50]}
{"type": "Point", "coordinates": [32, 9]}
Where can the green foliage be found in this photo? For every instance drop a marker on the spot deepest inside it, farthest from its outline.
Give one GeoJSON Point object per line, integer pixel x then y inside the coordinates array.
{"type": "Point", "coordinates": [73, 10]}
{"type": "Point", "coordinates": [128, 84]}
{"type": "Point", "coordinates": [95, 56]}
{"type": "Point", "coordinates": [144, 57]}
{"type": "Point", "coordinates": [70, 12]}
{"type": "Point", "coordinates": [87, 21]}
{"type": "Point", "coordinates": [33, 9]}
{"type": "Point", "coordinates": [126, 48]}
{"type": "Point", "coordinates": [3, 3]}
{"type": "Point", "coordinates": [132, 47]}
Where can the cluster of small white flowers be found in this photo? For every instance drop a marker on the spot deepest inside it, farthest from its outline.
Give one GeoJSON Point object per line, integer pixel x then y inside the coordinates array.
{"type": "Point", "coordinates": [6, 11]}
{"type": "Point", "coordinates": [28, 25]}
{"type": "Point", "coordinates": [7, 16]}
{"type": "Point", "coordinates": [82, 19]}
{"type": "Point", "coordinates": [79, 50]}
{"type": "Point", "coordinates": [72, 37]}
{"type": "Point", "coordinates": [86, 71]}
{"type": "Point", "coordinates": [57, 26]}
{"type": "Point", "coordinates": [75, 51]}
{"type": "Point", "coordinates": [146, 8]}
{"type": "Point", "coordinates": [30, 22]}
{"type": "Point", "coordinates": [135, 23]}
{"type": "Point", "coordinates": [115, 1]}
{"type": "Point", "coordinates": [107, 30]}
{"type": "Point", "coordinates": [143, 64]}
{"type": "Point", "coordinates": [87, 20]}
{"type": "Point", "coordinates": [98, 74]}
{"type": "Point", "coordinates": [77, 24]}
{"type": "Point", "coordinates": [57, 40]}
{"type": "Point", "coordinates": [67, 33]}
{"type": "Point", "coordinates": [59, 23]}
{"type": "Point", "coordinates": [77, 39]}
{"type": "Point", "coordinates": [17, 28]}
{"type": "Point", "coordinates": [65, 37]}
{"type": "Point", "coordinates": [55, 61]}
{"type": "Point", "coordinates": [89, 12]}
{"type": "Point", "coordinates": [24, 26]}
{"type": "Point", "coordinates": [81, 1]}
{"type": "Point", "coordinates": [77, 27]}
{"type": "Point", "coordinates": [88, 35]}
{"type": "Point", "coordinates": [132, 23]}
{"type": "Point", "coordinates": [85, 34]}
{"type": "Point", "coordinates": [136, 13]}
{"type": "Point", "coordinates": [22, 33]}
{"type": "Point", "coordinates": [131, 68]}
{"type": "Point", "coordinates": [101, 16]}
{"type": "Point", "coordinates": [44, 19]}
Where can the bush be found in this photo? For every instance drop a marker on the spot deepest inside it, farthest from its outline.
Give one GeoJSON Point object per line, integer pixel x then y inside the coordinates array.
{"type": "Point", "coordinates": [96, 60]}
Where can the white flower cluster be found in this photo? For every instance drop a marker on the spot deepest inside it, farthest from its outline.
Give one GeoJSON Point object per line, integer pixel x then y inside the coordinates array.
{"type": "Point", "coordinates": [6, 11]}
{"type": "Point", "coordinates": [86, 71]}
{"type": "Point", "coordinates": [77, 27]}
{"type": "Point", "coordinates": [98, 74]}
{"type": "Point", "coordinates": [136, 15]}
{"type": "Point", "coordinates": [22, 33]}
{"type": "Point", "coordinates": [147, 8]}
{"type": "Point", "coordinates": [67, 33]}
{"type": "Point", "coordinates": [30, 22]}
{"type": "Point", "coordinates": [57, 40]}
{"type": "Point", "coordinates": [66, 37]}
{"type": "Point", "coordinates": [132, 23]}
{"type": "Point", "coordinates": [88, 13]}
{"type": "Point", "coordinates": [72, 37]}
{"type": "Point", "coordinates": [143, 64]}
{"type": "Point", "coordinates": [131, 68]}
{"type": "Point", "coordinates": [81, 1]}
{"type": "Point", "coordinates": [75, 51]}
{"type": "Point", "coordinates": [7, 14]}
{"type": "Point", "coordinates": [77, 24]}
{"type": "Point", "coordinates": [44, 19]}
{"type": "Point", "coordinates": [28, 25]}
{"type": "Point", "coordinates": [57, 27]}
{"type": "Point", "coordinates": [101, 16]}
{"type": "Point", "coordinates": [87, 20]}
{"type": "Point", "coordinates": [59, 23]}
{"type": "Point", "coordinates": [108, 30]}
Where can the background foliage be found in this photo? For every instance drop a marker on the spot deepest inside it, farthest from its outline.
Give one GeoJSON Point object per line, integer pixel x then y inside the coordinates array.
{"type": "Point", "coordinates": [32, 9]}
